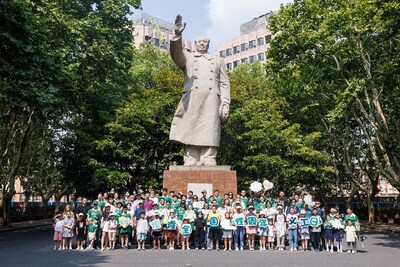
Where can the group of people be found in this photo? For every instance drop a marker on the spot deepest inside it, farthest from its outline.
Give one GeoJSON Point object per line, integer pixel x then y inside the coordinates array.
{"type": "Point", "coordinates": [171, 221]}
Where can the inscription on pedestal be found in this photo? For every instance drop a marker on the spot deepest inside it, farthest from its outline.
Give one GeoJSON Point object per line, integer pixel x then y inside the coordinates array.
{"type": "Point", "coordinates": [182, 178]}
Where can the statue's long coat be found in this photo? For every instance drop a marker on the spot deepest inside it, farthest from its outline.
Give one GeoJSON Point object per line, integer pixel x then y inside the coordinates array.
{"type": "Point", "coordinates": [197, 117]}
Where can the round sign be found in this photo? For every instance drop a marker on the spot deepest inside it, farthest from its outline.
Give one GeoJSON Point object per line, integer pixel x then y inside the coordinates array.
{"type": "Point", "coordinates": [314, 221]}
{"type": "Point", "coordinates": [214, 222]}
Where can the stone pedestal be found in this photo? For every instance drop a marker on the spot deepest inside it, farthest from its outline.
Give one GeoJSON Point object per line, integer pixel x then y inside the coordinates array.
{"type": "Point", "coordinates": [196, 178]}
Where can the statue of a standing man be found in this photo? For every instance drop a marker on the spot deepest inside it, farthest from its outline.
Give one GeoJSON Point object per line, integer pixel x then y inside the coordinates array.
{"type": "Point", "coordinates": [204, 103]}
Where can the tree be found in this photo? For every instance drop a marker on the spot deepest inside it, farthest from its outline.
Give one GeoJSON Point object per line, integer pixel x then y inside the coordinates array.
{"type": "Point", "coordinates": [51, 51]}
{"type": "Point", "coordinates": [269, 145]}
{"type": "Point", "coordinates": [335, 61]}
{"type": "Point", "coordinates": [137, 148]}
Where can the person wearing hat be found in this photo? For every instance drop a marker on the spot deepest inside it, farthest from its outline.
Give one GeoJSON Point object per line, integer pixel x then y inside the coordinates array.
{"type": "Point", "coordinates": [239, 222]}
{"type": "Point", "coordinates": [80, 229]}
{"type": "Point", "coordinates": [251, 226]}
{"type": "Point", "coordinates": [58, 231]}
{"type": "Point", "coordinates": [156, 230]}
{"type": "Point", "coordinates": [112, 230]}
{"type": "Point", "coordinates": [186, 231]}
{"type": "Point", "coordinates": [304, 225]}
{"type": "Point", "coordinates": [280, 227]}
{"type": "Point", "coordinates": [262, 229]}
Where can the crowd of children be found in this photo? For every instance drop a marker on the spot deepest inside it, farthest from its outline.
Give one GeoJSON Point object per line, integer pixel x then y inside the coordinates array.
{"type": "Point", "coordinates": [171, 221]}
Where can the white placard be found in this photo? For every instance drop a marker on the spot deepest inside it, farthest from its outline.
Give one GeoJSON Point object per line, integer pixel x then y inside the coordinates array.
{"type": "Point", "coordinates": [197, 188]}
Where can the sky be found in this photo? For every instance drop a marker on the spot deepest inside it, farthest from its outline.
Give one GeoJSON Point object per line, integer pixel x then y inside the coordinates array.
{"type": "Point", "coordinates": [219, 20]}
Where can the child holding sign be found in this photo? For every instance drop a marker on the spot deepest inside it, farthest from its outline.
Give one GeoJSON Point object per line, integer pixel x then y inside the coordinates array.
{"type": "Point", "coordinates": [238, 234]}
{"type": "Point", "coordinates": [186, 230]}
{"type": "Point", "coordinates": [315, 223]}
{"type": "Point", "coordinates": [251, 227]}
{"type": "Point", "coordinates": [292, 220]}
{"type": "Point", "coordinates": [304, 224]}
{"type": "Point", "coordinates": [171, 228]}
{"type": "Point", "coordinates": [226, 225]}
{"type": "Point", "coordinates": [125, 222]}
{"type": "Point", "coordinates": [262, 229]}
{"type": "Point", "coordinates": [213, 220]}
{"type": "Point", "coordinates": [156, 229]}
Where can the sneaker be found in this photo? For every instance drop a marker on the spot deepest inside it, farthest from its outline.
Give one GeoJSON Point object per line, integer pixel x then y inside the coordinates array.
{"type": "Point", "coordinates": [224, 249]}
{"type": "Point", "coordinates": [236, 248]}
{"type": "Point", "coordinates": [295, 249]}
{"type": "Point", "coordinates": [183, 248]}
{"type": "Point", "coordinates": [217, 248]}
{"type": "Point", "coordinates": [188, 248]}
{"type": "Point", "coordinates": [55, 248]}
{"type": "Point", "coordinates": [354, 251]}
{"type": "Point", "coordinates": [171, 248]}
{"type": "Point", "coordinates": [70, 247]}
{"type": "Point", "coordinates": [202, 248]}
{"type": "Point", "coordinates": [197, 248]}
{"type": "Point", "coordinates": [291, 249]}
{"type": "Point", "coordinates": [138, 248]}
{"type": "Point", "coordinates": [59, 248]}
{"type": "Point", "coordinates": [241, 248]}
{"type": "Point", "coordinates": [349, 251]}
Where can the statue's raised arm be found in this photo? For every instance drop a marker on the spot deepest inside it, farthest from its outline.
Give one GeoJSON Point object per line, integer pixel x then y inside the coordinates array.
{"type": "Point", "coordinates": [179, 26]}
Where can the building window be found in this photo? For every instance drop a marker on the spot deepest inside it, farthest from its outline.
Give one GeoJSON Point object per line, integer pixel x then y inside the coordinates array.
{"type": "Point", "coordinates": [260, 41]}
{"type": "Point", "coordinates": [229, 52]}
{"type": "Point", "coordinates": [222, 53]}
{"type": "Point", "coordinates": [261, 56]}
{"type": "Point", "coordinates": [244, 60]}
{"type": "Point", "coordinates": [267, 38]}
{"type": "Point", "coordinates": [236, 49]}
{"type": "Point", "coordinates": [156, 42]}
{"type": "Point", "coordinates": [252, 44]}
{"type": "Point", "coordinates": [229, 66]}
{"type": "Point", "coordinates": [236, 63]}
{"type": "Point", "coordinates": [244, 47]}
{"type": "Point", "coordinates": [252, 58]}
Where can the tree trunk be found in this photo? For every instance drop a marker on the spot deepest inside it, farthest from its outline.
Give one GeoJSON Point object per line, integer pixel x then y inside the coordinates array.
{"type": "Point", "coordinates": [371, 209]}
{"type": "Point", "coordinates": [6, 204]}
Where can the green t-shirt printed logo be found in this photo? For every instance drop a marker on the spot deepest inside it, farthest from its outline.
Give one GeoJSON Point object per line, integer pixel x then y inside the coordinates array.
{"type": "Point", "coordinates": [186, 229]}
{"type": "Point", "coordinates": [252, 220]}
{"type": "Point", "coordinates": [171, 225]}
{"type": "Point", "coordinates": [263, 223]}
{"type": "Point", "coordinates": [303, 222]}
{"type": "Point", "coordinates": [239, 221]}
{"type": "Point", "coordinates": [214, 222]}
{"type": "Point", "coordinates": [314, 221]}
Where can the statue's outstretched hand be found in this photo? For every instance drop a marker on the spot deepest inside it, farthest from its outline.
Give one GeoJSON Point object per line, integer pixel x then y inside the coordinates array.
{"type": "Point", "coordinates": [179, 26]}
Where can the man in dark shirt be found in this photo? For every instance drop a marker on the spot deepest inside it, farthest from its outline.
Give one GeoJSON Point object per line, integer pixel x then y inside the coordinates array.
{"type": "Point", "coordinates": [83, 208]}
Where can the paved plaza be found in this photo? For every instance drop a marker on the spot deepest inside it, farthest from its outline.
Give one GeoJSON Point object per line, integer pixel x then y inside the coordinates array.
{"type": "Point", "coordinates": [33, 247]}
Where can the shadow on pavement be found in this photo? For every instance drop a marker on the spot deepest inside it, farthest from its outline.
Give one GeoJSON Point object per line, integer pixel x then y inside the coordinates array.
{"type": "Point", "coordinates": [389, 240]}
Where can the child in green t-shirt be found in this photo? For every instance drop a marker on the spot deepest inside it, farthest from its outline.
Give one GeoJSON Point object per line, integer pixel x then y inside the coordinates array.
{"type": "Point", "coordinates": [92, 230]}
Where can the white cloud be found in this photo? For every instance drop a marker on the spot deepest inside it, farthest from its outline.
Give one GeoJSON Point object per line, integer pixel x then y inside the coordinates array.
{"type": "Point", "coordinates": [227, 16]}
